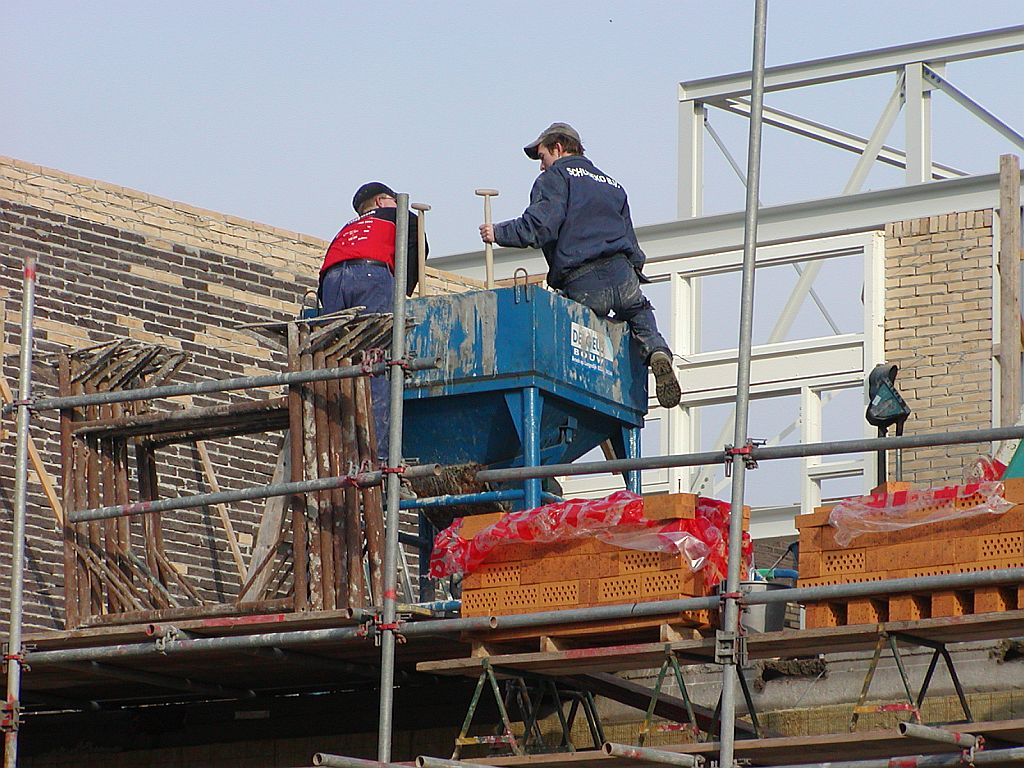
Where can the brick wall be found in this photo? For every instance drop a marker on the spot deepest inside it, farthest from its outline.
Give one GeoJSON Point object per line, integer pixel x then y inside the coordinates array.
{"type": "Point", "coordinates": [938, 330]}
{"type": "Point", "coordinates": [116, 263]}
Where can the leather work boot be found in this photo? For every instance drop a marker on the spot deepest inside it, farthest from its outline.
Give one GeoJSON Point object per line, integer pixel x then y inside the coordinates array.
{"type": "Point", "coordinates": [666, 386]}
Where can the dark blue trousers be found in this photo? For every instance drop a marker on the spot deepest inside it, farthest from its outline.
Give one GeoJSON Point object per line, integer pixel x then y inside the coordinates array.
{"type": "Point", "coordinates": [347, 285]}
{"type": "Point", "coordinates": [613, 286]}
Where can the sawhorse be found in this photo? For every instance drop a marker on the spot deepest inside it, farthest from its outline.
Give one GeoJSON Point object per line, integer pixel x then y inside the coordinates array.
{"type": "Point", "coordinates": [518, 691]}
{"type": "Point", "coordinates": [912, 706]}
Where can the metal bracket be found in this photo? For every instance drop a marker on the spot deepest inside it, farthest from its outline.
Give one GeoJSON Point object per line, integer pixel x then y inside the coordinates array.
{"type": "Point", "coordinates": [10, 716]}
{"type": "Point", "coordinates": [730, 648]}
{"type": "Point", "coordinates": [170, 636]}
{"type": "Point", "coordinates": [516, 287]}
{"type": "Point", "coordinates": [380, 627]}
{"type": "Point", "coordinates": [8, 408]}
{"type": "Point", "coordinates": [16, 657]}
{"type": "Point", "coordinates": [372, 357]}
{"type": "Point", "coordinates": [746, 451]}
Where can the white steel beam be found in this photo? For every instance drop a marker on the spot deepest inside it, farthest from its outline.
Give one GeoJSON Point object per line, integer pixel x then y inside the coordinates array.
{"type": "Point", "coordinates": [832, 136]}
{"type": "Point", "coordinates": [918, 123]}
{"type": "Point", "coordinates": [776, 224]}
{"type": "Point", "coordinates": [810, 432]}
{"type": "Point", "coordinates": [860, 64]}
{"type": "Point", "coordinates": [691, 159]}
{"type": "Point", "coordinates": [874, 145]}
{"type": "Point", "coordinates": [973, 107]}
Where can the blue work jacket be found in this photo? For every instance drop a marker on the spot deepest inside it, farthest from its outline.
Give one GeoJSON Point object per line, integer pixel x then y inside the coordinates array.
{"type": "Point", "coordinates": [577, 214]}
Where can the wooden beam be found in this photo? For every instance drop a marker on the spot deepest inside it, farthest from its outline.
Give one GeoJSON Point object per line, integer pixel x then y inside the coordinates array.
{"type": "Point", "coordinates": [256, 578]}
{"type": "Point", "coordinates": [33, 454]}
{"type": "Point", "coordinates": [211, 479]}
{"type": "Point", "coordinates": [1009, 287]}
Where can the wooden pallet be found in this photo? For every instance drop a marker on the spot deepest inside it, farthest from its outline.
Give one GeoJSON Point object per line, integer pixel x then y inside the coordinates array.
{"type": "Point", "coordinates": [688, 625]}
{"type": "Point", "coordinates": [914, 607]}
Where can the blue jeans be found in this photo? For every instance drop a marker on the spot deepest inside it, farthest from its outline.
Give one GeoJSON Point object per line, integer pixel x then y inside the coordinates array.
{"type": "Point", "coordinates": [347, 285]}
{"type": "Point", "coordinates": [614, 287]}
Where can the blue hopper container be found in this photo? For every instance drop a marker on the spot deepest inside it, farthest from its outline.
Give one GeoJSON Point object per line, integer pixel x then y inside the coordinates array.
{"type": "Point", "coordinates": [527, 377]}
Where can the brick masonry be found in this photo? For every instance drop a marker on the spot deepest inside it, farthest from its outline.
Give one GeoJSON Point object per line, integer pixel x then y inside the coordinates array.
{"type": "Point", "coordinates": [115, 263]}
{"type": "Point", "coordinates": [938, 330]}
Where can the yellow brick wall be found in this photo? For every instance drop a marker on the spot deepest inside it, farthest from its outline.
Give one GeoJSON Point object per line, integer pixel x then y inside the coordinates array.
{"type": "Point", "coordinates": [938, 330]}
{"type": "Point", "coordinates": [162, 221]}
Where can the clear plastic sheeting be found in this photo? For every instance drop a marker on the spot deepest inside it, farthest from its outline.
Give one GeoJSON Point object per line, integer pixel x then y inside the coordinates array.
{"type": "Point", "coordinates": [617, 520]}
{"type": "Point", "coordinates": [896, 511]}
{"type": "Point", "coordinates": [984, 468]}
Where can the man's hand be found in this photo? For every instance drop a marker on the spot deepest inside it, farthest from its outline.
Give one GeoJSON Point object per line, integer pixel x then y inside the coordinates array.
{"type": "Point", "coordinates": [487, 233]}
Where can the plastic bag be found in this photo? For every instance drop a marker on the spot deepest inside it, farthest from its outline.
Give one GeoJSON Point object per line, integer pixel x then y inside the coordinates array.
{"type": "Point", "coordinates": [984, 468]}
{"type": "Point", "coordinates": [617, 520]}
{"type": "Point", "coordinates": [906, 509]}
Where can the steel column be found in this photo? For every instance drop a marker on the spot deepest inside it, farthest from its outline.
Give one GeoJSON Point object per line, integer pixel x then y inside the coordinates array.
{"type": "Point", "coordinates": [532, 404]}
{"type": "Point", "coordinates": [727, 638]}
{"type": "Point", "coordinates": [393, 519]}
{"type": "Point", "coordinates": [691, 158]}
{"type": "Point", "coordinates": [11, 711]}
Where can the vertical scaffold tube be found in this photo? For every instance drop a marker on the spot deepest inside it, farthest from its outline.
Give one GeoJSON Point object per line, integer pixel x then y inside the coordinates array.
{"type": "Point", "coordinates": [728, 638]}
{"type": "Point", "coordinates": [392, 521]}
{"type": "Point", "coordinates": [12, 704]}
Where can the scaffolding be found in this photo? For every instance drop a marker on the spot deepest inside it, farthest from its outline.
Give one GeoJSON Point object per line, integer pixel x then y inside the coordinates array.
{"type": "Point", "coordinates": [334, 418]}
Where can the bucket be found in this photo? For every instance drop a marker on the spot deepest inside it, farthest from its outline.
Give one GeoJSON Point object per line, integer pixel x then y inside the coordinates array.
{"type": "Point", "coordinates": [761, 618]}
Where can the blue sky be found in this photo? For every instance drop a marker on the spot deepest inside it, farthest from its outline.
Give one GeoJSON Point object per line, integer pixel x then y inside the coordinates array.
{"type": "Point", "coordinates": [276, 111]}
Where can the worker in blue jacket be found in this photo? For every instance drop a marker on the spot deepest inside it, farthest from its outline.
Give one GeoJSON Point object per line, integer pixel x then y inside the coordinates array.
{"type": "Point", "coordinates": [579, 217]}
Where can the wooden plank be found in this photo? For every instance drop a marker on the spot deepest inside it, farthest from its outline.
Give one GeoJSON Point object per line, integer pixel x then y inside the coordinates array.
{"type": "Point", "coordinates": [782, 750]}
{"type": "Point", "coordinates": [268, 536]}
{"type": "Point", "coordinates": [92, 498]}
{"type": "Point", "coordinates": [325, 521]}
{"type": "Point", "coordinates": [222, 510]}
{"type": "Point", "coordinates": [316, 594]}
{"type": "Point", "coordinates": [339, 513]}
{"type": "Point", "coordinates": [786, 644]}
{"type": "Point", "coordinates": [1009, 288]}
{"type": "Point", "coordinates": [72, 610]}
{"type": "Point", "coordinates": [298, 501]}
{"type": "Point", "coordinates": [373, 498]}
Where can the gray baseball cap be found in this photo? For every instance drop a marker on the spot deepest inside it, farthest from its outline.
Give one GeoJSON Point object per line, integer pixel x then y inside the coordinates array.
{"type": "Point", "coordinates": [563, 128]}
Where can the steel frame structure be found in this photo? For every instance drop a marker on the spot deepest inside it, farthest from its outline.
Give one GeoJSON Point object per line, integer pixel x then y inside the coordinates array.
{"type": "Point", "coordinates": [918, 69]}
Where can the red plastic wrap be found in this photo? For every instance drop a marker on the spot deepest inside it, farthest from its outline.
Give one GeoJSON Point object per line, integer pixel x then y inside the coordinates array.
{"type": "Point", "coordinates": [905, 509]}
{"type": "Point", "coordinates": [617, 520]}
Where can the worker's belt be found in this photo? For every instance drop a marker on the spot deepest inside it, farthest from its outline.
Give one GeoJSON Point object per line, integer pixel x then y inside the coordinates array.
{"type": "Point", "coordinates": [590, 266]}
{"type": "Point", "coordinates": [360, 263]}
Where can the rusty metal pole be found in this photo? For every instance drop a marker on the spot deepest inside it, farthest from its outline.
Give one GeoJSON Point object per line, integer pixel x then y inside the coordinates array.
{"type": "Point", "coordinates": [11, 716]}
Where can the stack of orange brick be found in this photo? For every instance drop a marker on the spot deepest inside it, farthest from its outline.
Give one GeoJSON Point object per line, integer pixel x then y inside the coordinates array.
{"type": "Point", "coordinates": [578, 573]}
{"type": "Point", "coordinates": [976, 543]}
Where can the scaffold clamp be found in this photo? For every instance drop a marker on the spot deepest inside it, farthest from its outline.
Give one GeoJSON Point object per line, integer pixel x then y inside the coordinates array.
{"type": "Point", "coordinates": [17, 657]}
{"type": "Point", "coordinates": [170, 636]}
{"type": "Point", "coordinates": [381, 626]}
{"type": "Point", "coordinates": [746, 451]}
{"type": "Point", "coordinates": [10, 716]}
{"type": "Point", "coordinates": [730, 648]}
{"type": "Point", "coordinates": [14, 405]}
{"type": "Point", "coordinates": [372, 357]}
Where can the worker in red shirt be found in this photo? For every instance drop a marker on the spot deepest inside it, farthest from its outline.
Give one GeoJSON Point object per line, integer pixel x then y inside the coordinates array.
{"type": "Point", "coordinates": [358, 271]}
